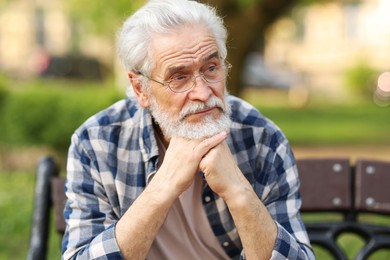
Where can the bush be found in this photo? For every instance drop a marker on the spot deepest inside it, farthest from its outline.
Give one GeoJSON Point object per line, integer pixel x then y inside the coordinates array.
{"type": "Point", "coordinates": [3, 90]}
{"type": "Point", "coordinates": [40, 115]}
{"type": "Point", "coordinates": [361, 79]}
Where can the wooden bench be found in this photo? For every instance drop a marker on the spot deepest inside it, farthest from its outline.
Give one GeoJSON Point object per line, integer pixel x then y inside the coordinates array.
{"type": "Point", "coordinates": [327, 186]}
{"type": "Point", "coordinates": [334, 186]}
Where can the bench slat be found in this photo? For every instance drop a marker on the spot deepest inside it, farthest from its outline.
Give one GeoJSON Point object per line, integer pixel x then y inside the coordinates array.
{"type": "Point", "coordinates": [325, 184]}
{"type": "Point", "coordinates": [372, 190]}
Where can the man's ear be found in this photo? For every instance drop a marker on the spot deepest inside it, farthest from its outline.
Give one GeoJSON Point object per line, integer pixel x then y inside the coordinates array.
{"type": "Point", "coordinates": [140, 94]}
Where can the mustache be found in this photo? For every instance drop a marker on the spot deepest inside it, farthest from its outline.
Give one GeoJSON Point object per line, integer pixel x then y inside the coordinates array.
{"type": "Point", "coordinates": [213, 102]}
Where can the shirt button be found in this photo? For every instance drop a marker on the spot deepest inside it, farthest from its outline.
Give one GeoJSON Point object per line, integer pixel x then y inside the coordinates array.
{"type": "Point", "coordinates": [207, 198]}
{"type": "Point", "coordinates": [225, 244]}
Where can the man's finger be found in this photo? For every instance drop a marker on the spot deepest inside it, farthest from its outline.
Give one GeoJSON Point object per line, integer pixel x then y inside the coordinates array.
{"type": "Point", "coordinates": [209, 143]}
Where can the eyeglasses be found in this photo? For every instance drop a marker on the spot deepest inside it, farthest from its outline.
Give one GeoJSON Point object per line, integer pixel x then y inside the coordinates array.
{"type": "Point", "coordinates": [184, 82]}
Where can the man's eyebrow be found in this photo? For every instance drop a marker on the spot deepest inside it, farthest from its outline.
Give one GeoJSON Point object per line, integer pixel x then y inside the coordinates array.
{"type": "Point", "coordinates": [211, 56]}
{"type": "Point", "coordinates": [174, 69]}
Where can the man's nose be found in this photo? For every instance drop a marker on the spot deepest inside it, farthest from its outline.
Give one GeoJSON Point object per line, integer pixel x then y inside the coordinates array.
{"type": "Point", "coordinates": [201, 89]}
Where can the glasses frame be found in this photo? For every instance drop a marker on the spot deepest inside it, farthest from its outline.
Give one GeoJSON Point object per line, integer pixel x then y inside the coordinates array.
{"type": "Point", "coordinates": [226, 66]}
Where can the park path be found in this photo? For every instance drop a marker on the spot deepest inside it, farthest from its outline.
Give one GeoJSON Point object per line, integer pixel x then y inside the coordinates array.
{"type": "Point", "coordinates": [353, 152]}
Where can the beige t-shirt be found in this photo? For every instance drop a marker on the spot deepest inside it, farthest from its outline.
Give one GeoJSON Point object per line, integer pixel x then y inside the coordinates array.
{"type": "Point", "coordinates": [186, 232]}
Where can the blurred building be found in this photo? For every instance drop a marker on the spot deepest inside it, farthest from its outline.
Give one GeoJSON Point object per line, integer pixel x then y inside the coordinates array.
{"type": "Point", "coordinates": [322, 41]}
{"type": "Point", "coordinates": [34, 33]}
{"type": "Point", "coordinates": [29, 30]}
{"type": "Point", "coordinates": [318, 43]}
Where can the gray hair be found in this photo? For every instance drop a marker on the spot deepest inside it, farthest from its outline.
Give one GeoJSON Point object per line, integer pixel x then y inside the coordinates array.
{"type": "Point", "coordinates": [164, 16]}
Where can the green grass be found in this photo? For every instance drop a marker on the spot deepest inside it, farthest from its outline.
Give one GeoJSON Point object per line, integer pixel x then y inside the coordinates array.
{"type": "Point", "coordinates": [364, 124]}
{"type": "Point", "coordinates": [16, 204]}
{"type": "Point", "coordinates": [324, 120]}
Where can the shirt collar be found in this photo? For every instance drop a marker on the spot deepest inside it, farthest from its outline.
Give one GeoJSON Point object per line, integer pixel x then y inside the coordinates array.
{"type": "Point", "coordinates": [148, 144]}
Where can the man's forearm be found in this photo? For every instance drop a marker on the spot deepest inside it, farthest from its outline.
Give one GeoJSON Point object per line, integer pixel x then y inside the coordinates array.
{"type": "Point", "coordinates": [255, 226]}
{"type": "Point", "coordinates": [138, 227]}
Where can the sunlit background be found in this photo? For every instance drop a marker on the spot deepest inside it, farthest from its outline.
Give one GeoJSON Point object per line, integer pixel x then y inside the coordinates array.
{"type": "Point", "coordinates": [320, 69]}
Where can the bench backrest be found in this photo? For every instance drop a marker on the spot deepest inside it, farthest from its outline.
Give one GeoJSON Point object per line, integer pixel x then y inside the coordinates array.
{"type": "Point", "coordinates": [59, 199]}
{"type": "Point", "coordinates": [333, 185]}
{"type": "Point", "coordinates": [49, 193]}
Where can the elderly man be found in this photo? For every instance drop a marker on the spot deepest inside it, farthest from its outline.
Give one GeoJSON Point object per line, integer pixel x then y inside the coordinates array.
{"type": "Point", "coordinates": [181, 170]}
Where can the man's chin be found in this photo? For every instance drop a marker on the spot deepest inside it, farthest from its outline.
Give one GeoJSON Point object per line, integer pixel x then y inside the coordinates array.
{"type": "Point", "coordinates": [200, 130]}
{"type": "Point", "coordinates": [193, 136]}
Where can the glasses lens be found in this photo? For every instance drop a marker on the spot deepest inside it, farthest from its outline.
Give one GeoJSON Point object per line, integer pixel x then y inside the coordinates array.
{"type": "Point", "coordinates": [214, 74]}
{"type": "Point", "coordinates": [182, 83]}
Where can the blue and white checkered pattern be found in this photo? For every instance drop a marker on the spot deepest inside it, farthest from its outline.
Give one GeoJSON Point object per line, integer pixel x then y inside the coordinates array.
{"type": "Point", "coordinates": [114, 152]}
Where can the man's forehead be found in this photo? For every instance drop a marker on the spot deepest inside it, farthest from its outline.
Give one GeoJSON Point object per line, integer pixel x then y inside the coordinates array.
{"type": "Point", "coordinates": [184, 45]}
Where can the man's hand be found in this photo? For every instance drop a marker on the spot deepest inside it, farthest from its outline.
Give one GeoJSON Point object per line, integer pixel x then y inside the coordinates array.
{"type": "Point", "coordinates": [182, 158]}
{"type": "Point", "coordinates": [222, 173]}
{"type": "Point", "coordinates": [254, 224]}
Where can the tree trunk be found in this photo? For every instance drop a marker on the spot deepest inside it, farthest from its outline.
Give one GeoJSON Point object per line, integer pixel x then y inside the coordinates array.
{"type": "Point", "coordinates": [246, 27]}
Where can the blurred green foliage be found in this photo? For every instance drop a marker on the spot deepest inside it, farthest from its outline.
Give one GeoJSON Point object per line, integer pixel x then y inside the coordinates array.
{"type": "Point", "coordinates": [100, 17]}
{"type": "Point", "coordinates": [3, 89]}
{"type": "Point", "coordinates": [309, 2]}
{"type": "Point", "coordinates": [47, 114]}
{"type": "Point", "coordinates": [361, 79]}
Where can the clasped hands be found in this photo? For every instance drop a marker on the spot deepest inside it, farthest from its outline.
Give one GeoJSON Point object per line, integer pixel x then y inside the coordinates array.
{"type": "Point", "coordinates": [184, 158]}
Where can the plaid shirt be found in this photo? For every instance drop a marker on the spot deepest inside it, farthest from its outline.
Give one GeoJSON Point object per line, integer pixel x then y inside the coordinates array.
{"type": "Point", "coordinates": [114, 152]}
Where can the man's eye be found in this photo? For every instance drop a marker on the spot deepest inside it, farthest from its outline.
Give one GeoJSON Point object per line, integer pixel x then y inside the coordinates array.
{"type": "Point", "coordinates": [211, 68]}
{"type": "Point", "coordinates": [181, 77]}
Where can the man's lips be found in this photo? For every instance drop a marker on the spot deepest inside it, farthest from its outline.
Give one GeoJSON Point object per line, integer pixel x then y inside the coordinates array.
{"type": "Point", "coordinates": [204, 111]}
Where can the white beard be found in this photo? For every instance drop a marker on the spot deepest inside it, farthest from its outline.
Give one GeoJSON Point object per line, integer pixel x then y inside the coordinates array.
{"type": "Point", "coordinates": [206, 127]}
